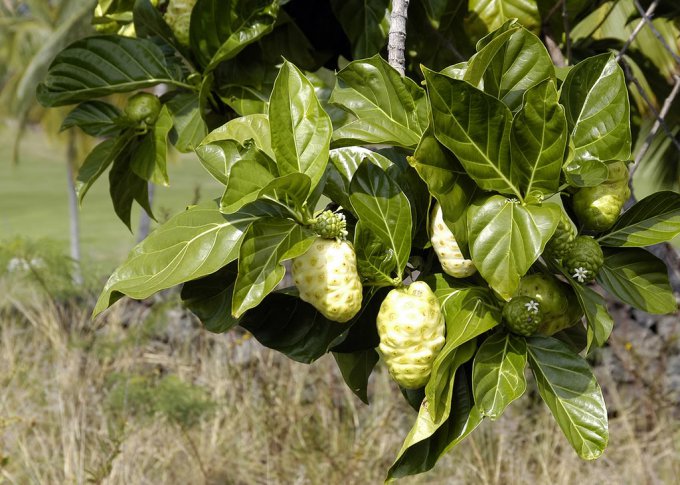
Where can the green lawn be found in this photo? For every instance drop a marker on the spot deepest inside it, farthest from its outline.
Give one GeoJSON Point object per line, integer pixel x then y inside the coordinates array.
{"type": "Point", "coordinates": [33, 198]}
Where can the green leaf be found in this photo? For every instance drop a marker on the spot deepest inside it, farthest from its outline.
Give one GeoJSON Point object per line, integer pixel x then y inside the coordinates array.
{"type": "Point", "coordinates": [188, 125]}
{"type": "Point", "coordinates": [538, 139]}
{"type": "Point", "coordinates": [149, 161]}
{"type": "Point", "coordinates": [242, 129]}
{"type": "Point", "coordinates": [267, 243]}
{"type": "Point", "coordinates": [521, 62]}
{"type": "Point", "coordinates": [192, 244]}
{"type": "Point", "coordinates": [96, 118]}
{"type": "Point", "coordinates": [291, 191]}
{"type": "Point", "coordinates": [599, 322]}
{"type": "Point", "coordinates": [639, 278]}
{"type": "Point", "coordinates": [126, 187]}
{"type": "Point", "coordinates": [356, 368]}
{"type": "Point", "coordinates": [586, 173]}
{"type": "Point", "coordinates": [506, 238]}
{"type": "Point", "coordinates": [300, 128]}
{"type": "Point", "coordinates": [375, 261]}
{"type": "Point", "coordinates": [287, 324]}
{"type": "Point", "coordinates": [488, 15]}
{"type": "Point", "coordinates": [221, 29]}
{"type": "Point", "coordinates": [498, 373]}
{"type": "Point", "coordinates": [445, 177]}
{"type": "Point", "coordinates": [388, 108]}
{"type": "Point", "coordinates": [365, 22]}
{"type": "Point", "coordinates": [209, 298]}
{"type": "Point", "coordinates": [439, 389]}
{"type": "Point", "coordinates": [383, 209]}
{"type": "Point", "coordinates": [246, 176]}
{"type": "Point", "coordinates": [569, 388]}
{"type": "Point", "coordinates": [102, 65]}
{"type": "Point", "coordinates": [428, 441]}
{"type": "Point", "coordinates": [149, 22]}
{"type": "Point", "coordinates": [595, 98]}
{"type": "Point", "coordinates": [654, 219]}
{"type": "Point", "coordinates": [345, 162]}
{"type": "Point", "coordinates": [487, 48]}
{"type": "Point", "coordinates": [475, 127]}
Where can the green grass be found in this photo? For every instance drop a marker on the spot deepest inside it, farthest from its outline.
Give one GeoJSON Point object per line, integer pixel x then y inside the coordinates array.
{"type": "Point", "coordinates": [33, 198]}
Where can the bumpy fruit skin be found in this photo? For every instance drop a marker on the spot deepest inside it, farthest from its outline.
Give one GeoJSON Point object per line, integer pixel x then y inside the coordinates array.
{"type": "Point", "coordinates": [330, 225]}
{"type": "Point", "coordinates": [599, 207]}
{"type": "Point", "coordinates": [143, 107]}
{"type": "Point", "coordinates": [178, 17]}
{"type": "Point", "coordinates": [445, 246]}
{"type": "Point", "coordinates": [522, 315]}
{"type": "Point", "coordinates": [562, 239]}
{"type": "Point", "coordinates": [584, 259]}
{"type": "Point", "coordinates": [411, 329]}
{"type": "Point", "coordinates": [557, 300]}
{"type": "Point", "coordinates": [327, 278]}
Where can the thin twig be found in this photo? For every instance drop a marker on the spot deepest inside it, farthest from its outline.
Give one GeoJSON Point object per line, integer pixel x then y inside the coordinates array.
{"type": "Point", "coordinates": [396, 43]}
{"type": "Point", "coordinates": [657, 124]}
{"type": "Point", "coordinates": [553, 49]}
{"type": "Point", "coordinates": [552, 11]}
{"type": "Point", "coordinates": [638, 28]}
{"type": "Point", "coordinates": [656, 33]}
{"type": "Point", "coordinates": [567, 32]}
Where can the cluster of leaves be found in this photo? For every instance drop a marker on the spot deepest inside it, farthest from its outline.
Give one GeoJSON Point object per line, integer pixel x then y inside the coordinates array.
{"type": "Point", "coordinates": [500, 141]}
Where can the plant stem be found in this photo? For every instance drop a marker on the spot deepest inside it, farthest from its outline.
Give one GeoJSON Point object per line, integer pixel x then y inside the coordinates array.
{"type": "Point", "coordinates": [396, 43]}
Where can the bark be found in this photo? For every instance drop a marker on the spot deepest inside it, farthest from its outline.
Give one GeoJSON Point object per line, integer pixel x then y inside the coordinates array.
{"type": "Point", "coordinates": [396, 43]}
{"type": "Point", "coordinates": [74, 214]}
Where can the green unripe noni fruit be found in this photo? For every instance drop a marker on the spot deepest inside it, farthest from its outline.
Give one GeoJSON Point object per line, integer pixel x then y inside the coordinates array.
{"type": "Point", "coordinates": [599, 207]}
{"type": "Point", "coordinates": [522, 315]}
{"type": "Point", "coordinates": [330, 225]}
{"type": "Point", "coordinates": [327, 278]}
{"type": "Point", "coordinates": [178, 17]}
{"type": "Point", "coordinates": [557, 301]}
{"type": "Point", "coordinates": [584, 259]}
{"type": "Point", "coordinates": [411, 329]}
{"type": "Point", "coordinates": [143, 107]}
{"type": "Point", "coordinates": [445, 246]}
{"type": "Point", "coordinates": [562, 239]}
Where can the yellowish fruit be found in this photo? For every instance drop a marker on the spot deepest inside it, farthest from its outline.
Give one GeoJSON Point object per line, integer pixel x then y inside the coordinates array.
{"type": "Point", "coordinates": [445, 246]}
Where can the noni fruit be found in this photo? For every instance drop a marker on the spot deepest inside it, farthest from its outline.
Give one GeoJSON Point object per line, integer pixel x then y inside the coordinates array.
{"type": "Point", "coordinates": [598, 208]}
{"type": "Point", "coordinates": [178, 17]}
{"type": "Point", "coordinates": [411, 329]}
{"type": "Point", "coordinates": [143, 107]}
{"type": "Point", "coordinates": [562, 239]}
{"type": "Point", "coordinates": [522, 315]}
{"type": "Point", "coordinates": [445, 246]}
{"type": "Point", "coordinates": [557, 301]}
{"type": "Point", "coordinates": [584, 259]}
{"type": "Point", "coordinates": [327, 278]}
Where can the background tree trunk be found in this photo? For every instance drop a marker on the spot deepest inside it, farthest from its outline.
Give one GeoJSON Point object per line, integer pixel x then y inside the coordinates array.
{"type": "Point", "coordinates": [74, 214]}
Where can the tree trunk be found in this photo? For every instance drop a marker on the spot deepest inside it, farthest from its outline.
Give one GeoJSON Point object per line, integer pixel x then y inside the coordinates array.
{"type": "Point", "coordinates": [74, 214]}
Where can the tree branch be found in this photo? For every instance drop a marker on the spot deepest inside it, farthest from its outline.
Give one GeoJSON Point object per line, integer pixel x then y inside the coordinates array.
{"type": "Point", "coordinates": [638, 28]}
{"type": "Point", "coordinates": [396, 43]}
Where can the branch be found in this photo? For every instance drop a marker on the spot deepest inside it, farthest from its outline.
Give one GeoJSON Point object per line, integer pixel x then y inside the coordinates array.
{"type": "Point", "coordinates": [645, 18]}
{"type": "Point", "coordinates": [396, 43]}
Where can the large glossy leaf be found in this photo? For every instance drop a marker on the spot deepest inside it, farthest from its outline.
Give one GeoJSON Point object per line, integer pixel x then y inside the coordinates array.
{"type": "Point", "coordinates": [244, 128]}
{"type": "Point", "coordinates": [267, 243]}
{"type": "Point", "coordinates": [599, 322]}
{"type": "Point", "coordinates": [345, 162]}
{"type": "Point", "coordinates": [475, 126]}
{"type": "Point", "coordinates": [220, 29]}
{"type": "Point", "coordinates": [506, 238]}
{"type": "Point", "coordinates": [383, 209]}
{"type": "Point", "coordinates": [209, 298]}
{"type": "Point", "coordinates": [188, 125]}
{"type": "Point", "coordinates": [639, 278]}
{"type": "Point", "coordinates": [387, 107]}
{"type": "Point", "coordinates": [498, 373]}
{"type": "Point", "coordinates": [445, 177]}
{"type": "Point", "coordinates": [586, 173]}
{"type": "Point", "coordinates": [356, 368]}
{"type": "Point", "coordinates": [595, 99]}
{"type": "Point", "coordinates": [290, 192]}
{"type": "Point", "coordinates": [487, 48]}
{"type": "Point", "coordinates": [654, 219]}
{"type": "Point", "coordinates": [538, 139]}
{"type": "Point", "coordinates": [150, 159]}
{"type": "Point", "coordinates": [192, 244]}
{"type": "Point", "coordinates": [569, 388]}
{"type": "Point", "coordinates": [96, 118]}
{"type": "Point", "coordinates": [488, 15]}
{"type": "Point", "coordinates": [300, 128]}
{"type": "Point", "coordinates": [428, 441]}
{"type": "Point", "coordinates": [102, 65]}
{"type": "Point", "coordinates": [520, 63]}
{"type": "Point", "coordinates": [365, 22]}
{"type": "Point", "coordinates": [148, 22]}
{"type": "Point", "coordinates": [248, 175]}
{"type": "Point", "coordinates": [126, 187]}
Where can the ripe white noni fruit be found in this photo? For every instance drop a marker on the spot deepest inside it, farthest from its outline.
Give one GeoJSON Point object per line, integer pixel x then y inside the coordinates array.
{"type": "Point", "coordinates": [327, 278]}
{"type": "Point", "coordinates": [444, 243]}
{"type": "Point", "coordinates": [411, 329]}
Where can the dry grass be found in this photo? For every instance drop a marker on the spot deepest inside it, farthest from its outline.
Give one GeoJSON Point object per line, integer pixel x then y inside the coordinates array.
{"type": "Point", "coordinates": [152, 402]}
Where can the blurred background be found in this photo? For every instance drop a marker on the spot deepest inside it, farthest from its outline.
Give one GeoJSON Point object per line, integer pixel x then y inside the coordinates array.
{"type": "Point", "coordinates": [145, 395]}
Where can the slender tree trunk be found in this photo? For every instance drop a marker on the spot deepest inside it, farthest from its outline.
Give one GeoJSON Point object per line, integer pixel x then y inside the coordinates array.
{"type": "Point", "coordinates": [144, 219]}
{"type": "Point", "coordinates": [396, 40]}
{"type": "Point", "coordinates": [74, 214]}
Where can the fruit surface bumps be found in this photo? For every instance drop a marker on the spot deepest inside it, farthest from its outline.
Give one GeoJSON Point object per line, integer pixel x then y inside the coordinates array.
{"type": "Point", "coordinates": [562, 239]}
{"type": "Point", "coordinates": [445, 246]}
{"type": "Point", "coordinates": [522, 315]}
{"type": "Point", "coordinates": [178, 17]}
{"type": "Point", "coordinates": [598, 208]}
{"type": "Point", "coordinates": [327, 278]}
{"type": "Point", "coordinates": [557, 300]}
{"type": "Point", "coordinates": [143, 107]}
{"type": "Point", "coordinates": [411, 329]}
{"type": "Point", "coordinates": [584, 259]}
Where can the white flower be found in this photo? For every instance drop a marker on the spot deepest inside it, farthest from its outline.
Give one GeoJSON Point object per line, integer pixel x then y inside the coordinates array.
{"type": "Point", "coordinates": [17, 264]}
{"type": "Point", "coordinates": [532, 306]}
{"type": "Point", "coordinates": [581, 274]}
